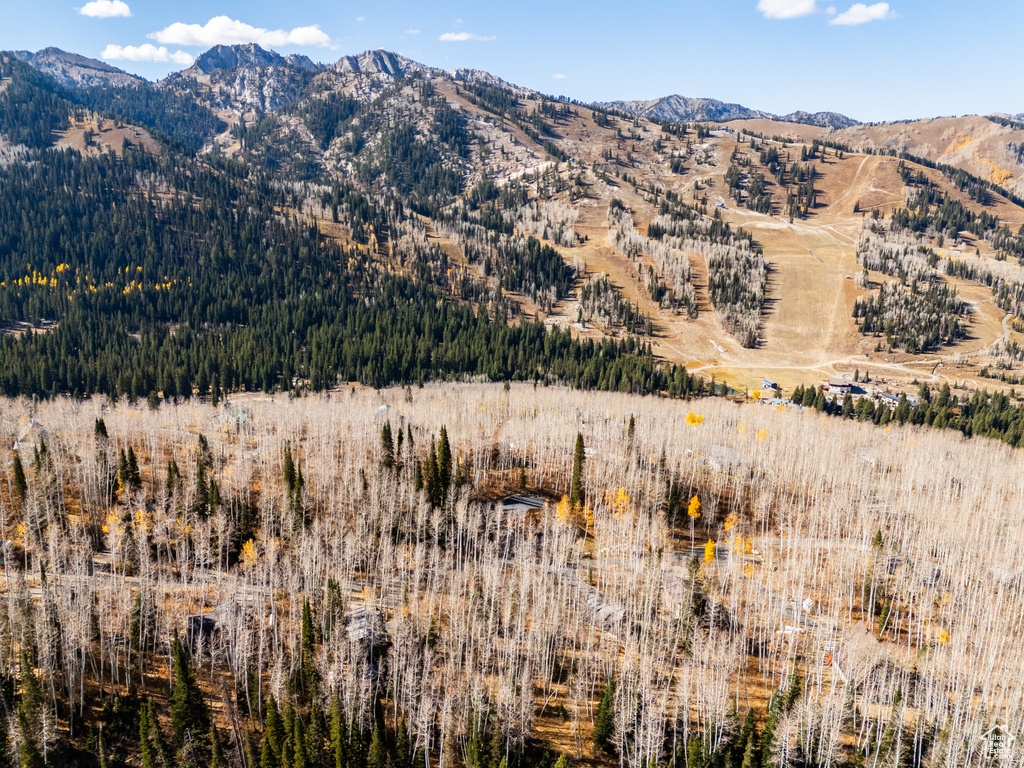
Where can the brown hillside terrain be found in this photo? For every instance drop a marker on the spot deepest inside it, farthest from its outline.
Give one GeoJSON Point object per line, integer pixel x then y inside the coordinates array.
{"type": "Point", "coordinates": [809, 332]}
{"type": "Point", "coordinates": [974, 143]}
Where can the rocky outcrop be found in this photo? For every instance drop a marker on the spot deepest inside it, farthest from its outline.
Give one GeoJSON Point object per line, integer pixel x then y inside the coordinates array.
{"type": "Point", "coordinates": [224, 57]}
{"type": "Point", "coordinates": [379, 63]}
{"type": "Point", "coordinates": [74, 71]}
{"type": "Point", "coordinates": [249, 78]}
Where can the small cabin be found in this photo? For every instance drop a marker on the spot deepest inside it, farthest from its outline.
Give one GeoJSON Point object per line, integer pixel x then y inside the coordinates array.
{"type": "Point", "coordinates": [769, 384]}
{"type": "Point", "coordinates": [522, 511]}
{"type": "Point", "coordinates": [365, 626]}
{"type": "Point", "coordinates": [840, 386]}
{"type": "Point", "coordinates": [857, 654]}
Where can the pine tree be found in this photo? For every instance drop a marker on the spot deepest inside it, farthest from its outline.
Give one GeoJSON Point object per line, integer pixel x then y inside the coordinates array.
{"type": "Point", "coordinates": [289, 468]}
{"type": "Point", "coordinates": [134, 477]}
{"type": "Point", "coordinates": [146, 751]}
{"type": "Point", "coordinates": [122, 470]}
{"type": "Point", "coordinates": [251, 760]}
{"type": "Point", "coordinates": [216, 754]}
{"type": "Point", "coordinates": [751, 759]}
{"type": "Point", "coordinates": [403, 746]}
{"type": "Point", "coordinates": [28, 751]}
{"type": "Point", "coordinates": [172, 475]}
{"type": "Point", "coordinates": [579, 457]}
{"type": "Point", "coordinates": [315, 752]}
{"type": "Point", "coordinates": [267, 757]}
{"type": "Point", "coordinates": [189, 714]}
{"type": "Point", "coordinates": [378, 754]}
{"type": "Point", "coordinates": [32, 697]}
{"type": "Point", "coordinates": [20, 483]}
{"type": "Point", "coordinates": [387, 446]}
{"type": "Point", "coordinates": [433, 477]}
{"type": "Point", "coordinates": [356, 747]}
{"type": "Point", "coordinates": [299, 757]}
{"type": "Point", "coordinates": [309, 672]}
{"type": "Point", "coordinates": [444, 463]}
{"type": "Point", "coordinates": [201, 504]}
{"type": "Point", "coordinates": [339, 740]}
{"type": "Point", "coordinates": [604, 720]}
{"type": "Point", "coordinates": [273, 732]}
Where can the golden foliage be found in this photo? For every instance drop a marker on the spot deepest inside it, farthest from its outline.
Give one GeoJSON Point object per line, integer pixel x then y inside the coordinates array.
{"type": "Point", "coordinates": [694, 509]}
{"type": "Point", "coordinates": [709, 551]}
{"type": "Point", "coordinates": [621, 502]}
{"type": "Point", "coordinates": [694, 419]}
{"type": "Point", "coordinates": [564, 509]}
{"type": "Point", "coordinates": [249, 554]}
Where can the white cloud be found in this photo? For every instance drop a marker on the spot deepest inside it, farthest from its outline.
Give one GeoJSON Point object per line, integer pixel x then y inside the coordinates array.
{"type": "Point", "coordinates": [105, 9]}
{"type": "Point", "coordinates": [461, 37]}
{"type": "Point", "coordinates": [360, 19]}
{"type": "Point", "coordinates": [458, 22]}
{"type": "Point", "coordinates": [858, 13]}
{"type": "Point", "coordinates": [145, 52]}
{"type": "Point", "coordinates": [222, 30]}
{"type": "Point", "coordinates": [786, 9]}
{"type": "Point", "coordinates": [412, 31]}
{"type": "Point", "coordinates": [559, 77]}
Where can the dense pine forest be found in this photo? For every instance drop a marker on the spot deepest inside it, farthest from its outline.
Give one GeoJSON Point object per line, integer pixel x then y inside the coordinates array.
{"type": "Point", "coordinates": [149, 276]}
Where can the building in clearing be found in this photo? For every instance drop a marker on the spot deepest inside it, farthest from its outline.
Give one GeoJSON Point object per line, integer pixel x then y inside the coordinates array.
{"type": "Point", "coordinates": [857, 654]}
{"type": "Point", "coordinates": [31, 433]}
{"type": "Point", "coordinates": [365, 627]}
{"type": "Point", "coordinates": [840, 386]}
{"type": "Point", "coordinates": [769, 384]}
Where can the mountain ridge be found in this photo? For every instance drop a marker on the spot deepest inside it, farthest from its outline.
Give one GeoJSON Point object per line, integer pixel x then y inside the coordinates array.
{"type": "Point", "coordinates": [77, 71]}
{"type": "Point", "coordinates": [683, 109]}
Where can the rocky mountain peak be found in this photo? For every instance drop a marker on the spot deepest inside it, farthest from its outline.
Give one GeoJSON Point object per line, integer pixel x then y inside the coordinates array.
{"type": "Point", "coordinates": [378, 62]}
{"type": "Point", "coordinates": [222, 57]}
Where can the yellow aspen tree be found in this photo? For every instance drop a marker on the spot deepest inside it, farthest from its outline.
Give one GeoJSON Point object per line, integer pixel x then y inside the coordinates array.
{"type": "Point", "coordinates": [694, 512]}
{"type": "Point", "coordinates": [709, 551]}
{"type": "Point", "coordinates": [694, 509]}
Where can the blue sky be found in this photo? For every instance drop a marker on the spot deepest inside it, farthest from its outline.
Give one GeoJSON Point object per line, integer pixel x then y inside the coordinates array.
{"type": "Point", "coordinates": [872, 61]}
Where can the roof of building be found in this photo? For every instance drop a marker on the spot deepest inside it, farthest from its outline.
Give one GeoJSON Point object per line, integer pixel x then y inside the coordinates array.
{"type": "Point", "coordinates": [858, 653]}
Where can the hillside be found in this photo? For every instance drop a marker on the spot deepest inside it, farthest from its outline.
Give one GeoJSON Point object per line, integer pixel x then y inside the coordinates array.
{"type": "Point", "coordinates": [401, 575]}
{"type": "Point", "coordinates": [737, 250]}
